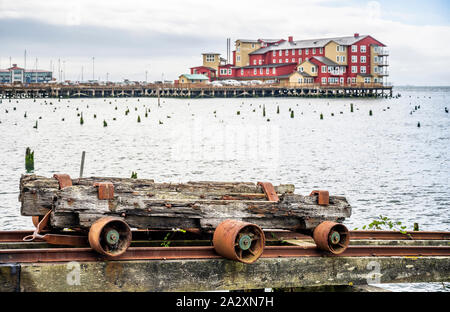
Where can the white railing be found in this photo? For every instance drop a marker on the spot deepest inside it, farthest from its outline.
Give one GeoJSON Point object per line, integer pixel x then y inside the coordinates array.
{"type": "Point", "coordinates": [383, 51]}
{"type": "Point", "coordinates": [383, 61]}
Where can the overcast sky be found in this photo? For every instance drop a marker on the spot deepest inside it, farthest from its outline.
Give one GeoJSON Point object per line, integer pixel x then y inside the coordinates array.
{"type": "Point", "coordinates": [167, 37]}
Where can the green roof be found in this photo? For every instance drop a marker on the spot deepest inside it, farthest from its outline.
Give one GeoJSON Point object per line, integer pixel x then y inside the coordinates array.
{"type": "Point", "coordinates": [195, 77]}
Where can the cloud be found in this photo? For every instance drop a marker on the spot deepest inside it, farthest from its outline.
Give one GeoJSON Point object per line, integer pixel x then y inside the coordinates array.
{"type": "Point", "coordinates": [176, 33]}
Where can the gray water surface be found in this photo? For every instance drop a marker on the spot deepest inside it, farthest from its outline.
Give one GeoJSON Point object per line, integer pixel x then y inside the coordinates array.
{"type": "Point", "coordinates": [384, 164]}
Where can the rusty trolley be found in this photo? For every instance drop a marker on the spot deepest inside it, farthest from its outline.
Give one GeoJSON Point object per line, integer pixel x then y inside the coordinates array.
{"type": "Point", "coordinates": [104, 210]}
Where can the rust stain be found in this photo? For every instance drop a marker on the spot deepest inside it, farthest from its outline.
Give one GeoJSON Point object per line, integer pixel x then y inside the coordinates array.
{"type": "Point", "coordinates": [113, 272]}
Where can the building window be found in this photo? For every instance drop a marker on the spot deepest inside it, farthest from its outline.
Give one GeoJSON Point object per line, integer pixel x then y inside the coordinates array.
{"type": "Point", "coordinates": [354, 59]}
{"type": "Point", "coordinates": [314, 51]}
{"type": "Point", "coordinates": [300, 69]}
{"type": "Point", "coordinates": [293, 52]}
{"type": "Point", "coordinates": [330, 69]}
{"type": "Point", "coordinates": [229, 71]}
{"type": "Point", "coordinates": [367, 80]}
{"type": "Point", "coordinates": [293, 60]}
{"type": "Point", "coordinates": [210, 57]}
{"type": "Point", "coordinates": [321, 51]}
{"type": "Point", "coordinates": [280, 52]}
{"type": "Point", "coordinates": [287, 60]}
{"type": "Point", "coordinates": [354, 69]}
{"type": "Point", "coordinates": [363, 59]}
{"type": "Point", "coordinates": [253, 45]}
{"type": "Point", "coordinates": [324, 69]}
{"type": "Point", "coordinates": [337, 58]}
{"type": "Point", "coordinates": [238, 58]}
{"type": "Point", "coordinates": [267, 70]}
{"type": "Point", "coordinates": [307, 51]}
{"type": "Point", "coordinates": [238, 49]}
{"type": "Point", "coordinates": [261, 71]}
{"type": "Point", "coordinates": [260, 62]}
{"type": "Point", "coordinates": [299, 80]}
{"type": "Point", "coordinates": [274, 53]}
{"type": "Point", "coordinates": [363, 69]}
{"type": "Point", "coordinates": [299, 60]}
{"type": "Point", "coordinates": [313, 69]}
{"type": "Point", "coordinates": [324, 80]}
{"type": "Point", "coordinates": [353, 80]}
{"type": "Point", "coordinates": [342, 58]}
{"type": "Point", "coordinates": [300, 52]}
{"type": "Point", "coordinates": [274, 70]}
{"type": "Point", "coordinates": [354, 48]}
{"type": "Point", "coordinates": [242, 72]}
{"type": "Point", "coordinates": [286, 52]}
{"type": "Point", "coordinates": [254, 62]}
{"type": "Point", "coordinates": [375, 69]}
{"type": "Point", "coordinates": [274, 61]}
{"type": "Point", "coordinates": [375, 59]}
{"type": "Point", "coordinates": [254, 71]}
{"type": "Point", "coordinates": [362, 48]}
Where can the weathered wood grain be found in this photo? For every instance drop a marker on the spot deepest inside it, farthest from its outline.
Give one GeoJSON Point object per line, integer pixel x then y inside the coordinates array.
{"type": "Point", "coordinates": [146, 204]}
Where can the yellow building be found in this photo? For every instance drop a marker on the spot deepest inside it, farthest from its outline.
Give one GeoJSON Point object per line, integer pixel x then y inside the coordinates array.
{"type": "Point", "coordinates": [309, 68]}
{"type": "Point", "coordinates": [212, 60]}
{"type": "Point", "coordinates": [192, 78]}
{"type": "Point", "coordinates": [243, 48]}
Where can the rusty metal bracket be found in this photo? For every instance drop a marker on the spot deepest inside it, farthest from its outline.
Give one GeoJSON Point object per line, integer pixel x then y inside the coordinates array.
{"type": "Point", "coordinates": [54, 239]}
{"type": "Point", "coordinates": [269, 190]}
{"type": "Point", "coordinates": [323, 197]}
{"type": "Point", "coordinates": [64, 180]}
{"type": "Point", "coordinates": [105, 190]}
{"type": "Point", "coordinates": [39, 228]}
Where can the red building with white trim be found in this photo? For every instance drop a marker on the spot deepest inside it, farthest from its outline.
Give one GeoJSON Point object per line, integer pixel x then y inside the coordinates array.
{"type": "Point", "coordinates": [328, 61]}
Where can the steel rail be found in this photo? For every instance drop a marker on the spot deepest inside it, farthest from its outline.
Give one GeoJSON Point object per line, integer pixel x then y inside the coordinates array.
{"type": "Point", "coordinates": [17, 236]}
{"type": "Point", "coordinates": [207, 252]}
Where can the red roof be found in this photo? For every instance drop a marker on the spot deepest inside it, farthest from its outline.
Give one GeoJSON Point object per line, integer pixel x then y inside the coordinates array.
{"type": "Point", "coordinates": [203, 67]}
{"type": "Point", "coordinates": [15, 67]}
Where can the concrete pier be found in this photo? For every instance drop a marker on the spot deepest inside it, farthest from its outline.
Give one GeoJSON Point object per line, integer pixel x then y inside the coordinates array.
{"type": "Point", "coordinates": [221, 274]}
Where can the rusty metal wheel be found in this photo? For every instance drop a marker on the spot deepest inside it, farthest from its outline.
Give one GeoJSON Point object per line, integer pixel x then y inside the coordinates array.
{"type": "Point", "coordinates": [332, 237]}
{"type": "Point", "coordinates": [238, 240]}
{"type": "Point", "coordinates": [110, 236]}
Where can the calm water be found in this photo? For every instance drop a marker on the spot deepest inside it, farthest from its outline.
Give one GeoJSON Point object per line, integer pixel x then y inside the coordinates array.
{"type": "Point", "coordinates": [384, 164]}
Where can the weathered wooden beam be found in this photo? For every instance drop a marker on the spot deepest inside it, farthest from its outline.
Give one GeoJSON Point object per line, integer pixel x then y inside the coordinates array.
{"type": "Point", "coordinates": [146, 204]}
{"type": "Point", "coordinates": [222, 274]}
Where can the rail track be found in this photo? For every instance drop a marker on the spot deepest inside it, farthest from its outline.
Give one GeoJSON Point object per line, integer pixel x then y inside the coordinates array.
{"type": "Point", "coordinates": [17, 236]}
{"type": "Point", "coordinates": [53, 254]}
